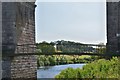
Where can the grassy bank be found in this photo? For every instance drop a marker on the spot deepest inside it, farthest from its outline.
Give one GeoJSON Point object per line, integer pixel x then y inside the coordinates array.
{"type": "Point", "coordinates": [98, 69]}
{"type": "Point", "coordinates": [63, 59]}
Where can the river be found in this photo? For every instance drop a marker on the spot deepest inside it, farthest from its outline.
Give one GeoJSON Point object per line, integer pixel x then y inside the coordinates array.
{"type": "Point", "coordinates": [52, 71]}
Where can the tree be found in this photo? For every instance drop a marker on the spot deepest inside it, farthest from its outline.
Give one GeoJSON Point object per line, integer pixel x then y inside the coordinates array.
{"type": "Point", "coordinates": [45, 47]}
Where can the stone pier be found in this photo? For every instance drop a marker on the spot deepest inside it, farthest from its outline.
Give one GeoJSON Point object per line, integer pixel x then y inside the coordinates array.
{"type": "Point", "coordinates": [113, 27]}
{"type": "Point", "coordinates": [18, 37]}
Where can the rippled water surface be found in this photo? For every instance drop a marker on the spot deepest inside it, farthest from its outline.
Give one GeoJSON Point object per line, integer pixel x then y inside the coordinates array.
{"type": "Point", "coordinates": [52, 71]}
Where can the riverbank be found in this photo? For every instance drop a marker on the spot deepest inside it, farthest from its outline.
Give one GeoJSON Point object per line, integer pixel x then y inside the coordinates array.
{"type": "Point", "coordinates": [98, 69]}
{"type": "Point", "coordinates": [63, 59]}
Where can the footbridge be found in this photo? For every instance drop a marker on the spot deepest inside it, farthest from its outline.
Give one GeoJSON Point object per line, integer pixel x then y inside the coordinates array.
{"type": "Point", "coordinates": [81, 49]}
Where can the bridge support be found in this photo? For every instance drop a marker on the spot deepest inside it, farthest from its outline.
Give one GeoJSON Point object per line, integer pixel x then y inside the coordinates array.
{"type": "Point", "coordinates": [113, 27]}
{"type": "Point", "coordinates": [0, 40]}
{"type": "Point", "coordinates": [18, 28]}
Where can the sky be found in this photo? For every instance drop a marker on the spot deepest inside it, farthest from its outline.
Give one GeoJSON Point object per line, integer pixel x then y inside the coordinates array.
{"type": "Point", "coordinates": [72, 21]}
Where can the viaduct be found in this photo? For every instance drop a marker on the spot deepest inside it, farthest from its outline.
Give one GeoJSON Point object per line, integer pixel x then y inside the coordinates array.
{"type": "Point", "coordinates": [18, 36]}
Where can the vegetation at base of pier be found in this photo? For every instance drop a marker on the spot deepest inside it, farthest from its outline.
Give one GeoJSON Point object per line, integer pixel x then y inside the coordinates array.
{"type": "Point", "coordinates": [65, 46]}
{"type": "Point", "coordinates": [97, 69]}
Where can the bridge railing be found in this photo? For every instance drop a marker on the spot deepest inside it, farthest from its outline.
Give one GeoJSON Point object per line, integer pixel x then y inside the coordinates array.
{"type": "Point", "coordinates": [31, 48]}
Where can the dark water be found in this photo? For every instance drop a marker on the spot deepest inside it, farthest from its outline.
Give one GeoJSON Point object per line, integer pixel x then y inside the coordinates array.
{"type": "Point", "coordinates": [52, 71]}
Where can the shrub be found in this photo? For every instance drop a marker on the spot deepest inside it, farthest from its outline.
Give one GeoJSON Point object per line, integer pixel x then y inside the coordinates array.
{"type": "Point", "coordinates": [98, 69]}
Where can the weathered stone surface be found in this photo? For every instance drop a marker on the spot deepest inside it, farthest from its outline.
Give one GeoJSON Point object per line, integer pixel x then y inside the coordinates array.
{"type": "Point", "coordinates": [0, 40]}
{"type": "Point", "coordinates": [18, 19]}
{"type": "Point", "coordinates": [113, 27]}
{"type": "Point", "coordinates": [24, 67]}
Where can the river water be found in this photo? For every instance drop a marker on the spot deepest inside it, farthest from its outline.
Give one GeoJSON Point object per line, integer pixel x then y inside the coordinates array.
{"type": "Point", "coordinates": [52, 71]}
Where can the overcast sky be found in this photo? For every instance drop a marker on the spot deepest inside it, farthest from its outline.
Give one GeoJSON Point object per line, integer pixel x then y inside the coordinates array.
{"type": "Point", "coordinates": [74, 21]}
